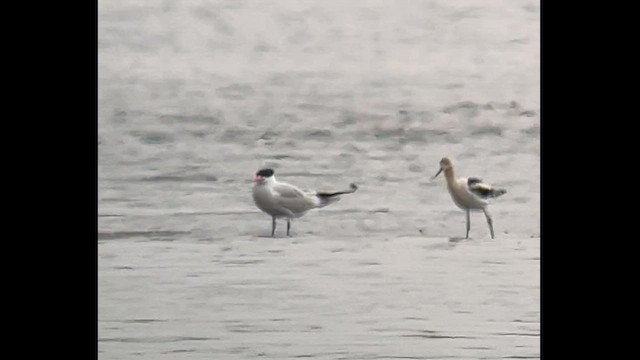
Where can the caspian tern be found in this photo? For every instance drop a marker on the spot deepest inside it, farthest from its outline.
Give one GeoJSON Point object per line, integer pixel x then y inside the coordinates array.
{"type": "Point", "coordinates": [282, 200]}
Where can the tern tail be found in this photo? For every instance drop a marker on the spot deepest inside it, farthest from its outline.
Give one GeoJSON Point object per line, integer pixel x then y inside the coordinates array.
{"type": "Point", "coordinates": [329, 198]}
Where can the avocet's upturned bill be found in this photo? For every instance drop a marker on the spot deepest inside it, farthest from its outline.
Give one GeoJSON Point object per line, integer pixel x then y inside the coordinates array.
{"type": "Point", "coordinates": [282, 200]}
{"type": "Point", "coordinates": [469, 193]}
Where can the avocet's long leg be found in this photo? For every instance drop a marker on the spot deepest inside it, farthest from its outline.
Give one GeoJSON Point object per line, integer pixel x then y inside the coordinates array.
{"type": "Point", "coordinates": [468, 223]}
{"type": "Point", "coordinates": [489, 220]}
{"type": "Point", "coordinates": [288, 226]}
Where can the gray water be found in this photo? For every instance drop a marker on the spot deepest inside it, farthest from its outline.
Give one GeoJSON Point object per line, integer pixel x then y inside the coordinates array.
{"type": "Point", "coordinates": [196, 96]}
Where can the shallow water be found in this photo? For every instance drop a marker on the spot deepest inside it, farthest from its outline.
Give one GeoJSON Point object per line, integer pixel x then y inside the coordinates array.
{"type": "Point", "coordinates": [195, 96]}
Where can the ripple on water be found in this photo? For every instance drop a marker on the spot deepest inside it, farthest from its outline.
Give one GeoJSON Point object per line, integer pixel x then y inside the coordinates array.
{"type": "Point", "coordinates": [153, 137]}
{"type": "Point", "coordinates": [235, 91]}
{"type": "Point", "coordinates": [200, 177]}
{"type": "Point", "coordinates": [145, 234]}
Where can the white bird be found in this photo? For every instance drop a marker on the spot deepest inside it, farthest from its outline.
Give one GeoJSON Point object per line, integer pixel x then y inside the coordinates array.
{"type": "Point", "coordinates": [469, 193]}
{"type": "Point", "coordinates": [282, 200]}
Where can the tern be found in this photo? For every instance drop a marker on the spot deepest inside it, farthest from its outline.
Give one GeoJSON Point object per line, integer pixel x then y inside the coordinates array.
{"type": "Point", "coordinates": [283, 200]}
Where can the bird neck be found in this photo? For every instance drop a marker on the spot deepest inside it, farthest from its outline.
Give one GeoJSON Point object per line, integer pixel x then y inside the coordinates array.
{"type": "Point", "coordinates": [270, 181]}
{"type": "Point", "coordinates": [449, 175]}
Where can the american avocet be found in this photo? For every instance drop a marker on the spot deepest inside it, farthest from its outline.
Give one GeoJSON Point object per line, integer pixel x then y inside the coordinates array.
{"type": "Point", "coordinates": [469, 193]}
{"type": "Point", "coordinates": [282, 200]}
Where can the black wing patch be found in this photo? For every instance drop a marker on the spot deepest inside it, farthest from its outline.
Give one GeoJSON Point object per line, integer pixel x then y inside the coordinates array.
{"type": "Point", "coordinates": [485, 190]}
{"type": "Point", "coordinates": [473, 180]}
{"type": "Point", "coordinates": [482, 190]}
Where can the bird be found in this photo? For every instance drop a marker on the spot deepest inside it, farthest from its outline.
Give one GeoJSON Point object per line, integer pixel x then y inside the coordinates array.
{"type": "Point", "coordinates": [469, 194]}
{"type": "Point", "coordinates": [283, 200]}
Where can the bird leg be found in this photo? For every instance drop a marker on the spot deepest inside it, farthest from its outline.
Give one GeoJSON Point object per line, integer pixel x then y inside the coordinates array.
{"type": "Point", "coordinates": [468, 223]}
{"type": "Point", "coordinates": [273, 226]}
{"type": "Point", "coordinates": [489, 220]}
{"type": "Point", "coordinates": [288, 226]}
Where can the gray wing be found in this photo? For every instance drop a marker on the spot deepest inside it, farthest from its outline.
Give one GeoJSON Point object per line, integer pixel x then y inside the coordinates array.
{"type": "Point", "coordinates": [288, 191]}
{"type": "Point", "coordinates": [293, 199]}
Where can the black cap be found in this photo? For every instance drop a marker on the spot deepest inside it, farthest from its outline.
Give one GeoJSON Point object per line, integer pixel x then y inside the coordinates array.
{"type": "Point", "coordinates": [265, 173]}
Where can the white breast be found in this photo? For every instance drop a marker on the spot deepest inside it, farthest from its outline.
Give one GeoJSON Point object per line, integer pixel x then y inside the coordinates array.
{"type": "Point", "coordinates": [463, 197]}
{"type": "Point", "coordinates": [265, 201]}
